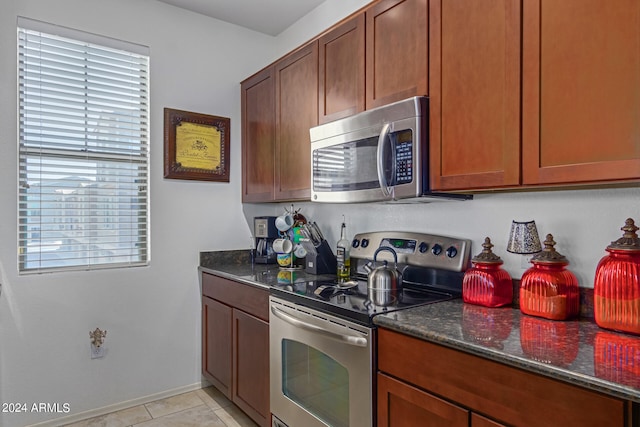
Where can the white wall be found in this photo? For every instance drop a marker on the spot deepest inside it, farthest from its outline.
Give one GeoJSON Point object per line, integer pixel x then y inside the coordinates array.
{"type": "Point", "coordinates": [152, 314]}
{"type": "Point", "coordinates": [583, 222]}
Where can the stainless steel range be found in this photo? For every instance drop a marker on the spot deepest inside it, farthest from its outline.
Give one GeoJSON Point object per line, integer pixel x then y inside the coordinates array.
{"type": "Point", "coordinates": [322, 336]}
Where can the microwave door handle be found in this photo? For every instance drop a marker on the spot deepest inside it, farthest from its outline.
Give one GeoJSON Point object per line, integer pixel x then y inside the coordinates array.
{"type": "Point", "coordinates": [382, 180]}
{"type": "Point", "coordinates": [349, 339]}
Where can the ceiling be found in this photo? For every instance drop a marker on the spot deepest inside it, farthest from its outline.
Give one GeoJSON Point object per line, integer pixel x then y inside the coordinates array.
{"type": "Point", "coordinates": [266, 16]}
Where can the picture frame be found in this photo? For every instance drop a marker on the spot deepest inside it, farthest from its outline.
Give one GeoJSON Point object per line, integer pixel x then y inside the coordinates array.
{"type": "Point", "coordinates": [196, 146]}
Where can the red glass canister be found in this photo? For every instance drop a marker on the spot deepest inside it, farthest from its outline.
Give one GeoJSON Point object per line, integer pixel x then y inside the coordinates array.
{"type": "Point", "coordinates": [548, 289]}
{"type": "Point", "coordinates": [485, 283]}
{"type": "Point", "coordinates": [617, 283]}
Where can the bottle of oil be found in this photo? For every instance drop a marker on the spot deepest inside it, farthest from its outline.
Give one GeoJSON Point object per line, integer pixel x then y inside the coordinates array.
{"type": "Point", "coordinates": [342, 255]}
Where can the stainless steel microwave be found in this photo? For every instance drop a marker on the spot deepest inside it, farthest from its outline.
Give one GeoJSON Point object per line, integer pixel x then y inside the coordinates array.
{"type": "Point", "coordinates": [377, 155]}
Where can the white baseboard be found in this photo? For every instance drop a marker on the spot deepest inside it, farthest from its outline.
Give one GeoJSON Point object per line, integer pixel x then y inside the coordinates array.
{"type": "Point", "coordinates": [120, 406]}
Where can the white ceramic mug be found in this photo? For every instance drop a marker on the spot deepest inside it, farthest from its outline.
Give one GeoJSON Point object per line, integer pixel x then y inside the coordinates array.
{"type": "Point", "coordinates": [284, 222]}
{"type": "Point", "coordinates": [282, 246]}
{"type": "Point", "coordinates": [299, 251]}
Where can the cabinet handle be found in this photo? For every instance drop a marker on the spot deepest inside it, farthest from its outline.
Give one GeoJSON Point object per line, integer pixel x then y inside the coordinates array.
{"type": "Point", "coordinates": [349, 339]}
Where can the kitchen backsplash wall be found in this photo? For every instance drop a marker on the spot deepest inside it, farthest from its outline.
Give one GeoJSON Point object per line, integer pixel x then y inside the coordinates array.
{"type": "Point", "coordinates": [583, 222]}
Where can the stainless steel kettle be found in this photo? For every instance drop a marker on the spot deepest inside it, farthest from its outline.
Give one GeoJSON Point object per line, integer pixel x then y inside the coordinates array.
{"type": "Point", "coordinates": [384, 284]}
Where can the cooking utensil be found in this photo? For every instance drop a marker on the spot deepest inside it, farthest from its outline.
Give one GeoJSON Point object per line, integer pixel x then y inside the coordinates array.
{"type": "Point", "coordinates": [384, 284]}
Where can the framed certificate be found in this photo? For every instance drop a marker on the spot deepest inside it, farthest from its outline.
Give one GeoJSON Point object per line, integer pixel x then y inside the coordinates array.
{"type": "Point", "coordinates": [196, 146]}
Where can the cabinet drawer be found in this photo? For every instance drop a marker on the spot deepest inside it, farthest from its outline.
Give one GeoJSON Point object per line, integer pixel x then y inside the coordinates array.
{"type": "Point", "coordinates": [503, 393]}
{"type": "Point", "coordinates": [247, 298]}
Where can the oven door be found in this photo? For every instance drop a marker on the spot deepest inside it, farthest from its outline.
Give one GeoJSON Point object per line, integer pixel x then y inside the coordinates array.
{"type": "Point", "coordinates": [321, 368]}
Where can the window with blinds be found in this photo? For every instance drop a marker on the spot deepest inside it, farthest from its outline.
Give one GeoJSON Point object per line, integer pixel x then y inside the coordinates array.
{"type": "Point", "coordinates": [83, 150]}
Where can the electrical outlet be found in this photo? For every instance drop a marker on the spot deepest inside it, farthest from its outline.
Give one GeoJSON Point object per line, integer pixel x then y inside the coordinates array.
{"type": "Point", "coordinates": [97, 352]}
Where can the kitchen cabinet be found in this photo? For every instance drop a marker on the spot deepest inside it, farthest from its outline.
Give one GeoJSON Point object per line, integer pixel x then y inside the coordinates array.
{"type": "Point", "coordinates": [258, 137]}
{"type": "Point", "coordinates": [296, 101]}
{"type": "Point", "coordinates": [474, 90]}
{"type": "Point", "coordinates": [397, 51]}
{"type": "Point", "coordinates": [341, 71]}
{"type": "Point", "coordinates": [581, 91]}
{"type": "Point", "coordinates": [440, 382]}
{"type": "Point", "coordinates": [402, 405]}
{"type": "Point", "coordinates": [235, 343]}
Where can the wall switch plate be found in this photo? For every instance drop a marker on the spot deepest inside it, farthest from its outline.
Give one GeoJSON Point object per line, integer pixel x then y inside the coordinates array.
{"type": "Point", "coordinates": [97, 352]}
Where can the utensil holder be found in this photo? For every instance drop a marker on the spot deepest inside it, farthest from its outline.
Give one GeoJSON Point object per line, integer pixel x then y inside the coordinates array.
{"type": "Point", "coordinates": [322, 260]}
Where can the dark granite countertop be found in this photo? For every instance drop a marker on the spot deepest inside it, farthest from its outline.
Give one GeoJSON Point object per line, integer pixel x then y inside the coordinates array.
{"type": "Point", "coordinates": [578, 351]}
{"type": "Point", "coordinates": [237, 265]}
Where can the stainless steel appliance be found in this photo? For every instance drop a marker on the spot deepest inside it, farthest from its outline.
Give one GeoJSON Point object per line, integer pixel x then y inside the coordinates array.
{"type": "Point", "coordinates": [379, 154]}
{"type": "Point", "coordinates": [322, 336]}
{"type": "Point", "coordinates": [265, 232]}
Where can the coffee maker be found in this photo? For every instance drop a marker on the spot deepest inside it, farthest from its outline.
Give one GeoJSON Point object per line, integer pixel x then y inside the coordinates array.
{"type": "Point", "coordinates": [265, 232]}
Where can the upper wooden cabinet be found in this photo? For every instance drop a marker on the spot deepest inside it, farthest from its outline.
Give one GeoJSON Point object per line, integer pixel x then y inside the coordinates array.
{"type": "Point", "coordinates": [296, 112]}
{"type": "Point", "coordinates": [581, 91]}
{"type": "Point", "coordinates": [397, 51]}
{"type": "Point", "coordinates": [258, 137]}
{"type": "Point", "coordinates": [474, 78]}
{"type": "Point", "coordinates": [341, 71]}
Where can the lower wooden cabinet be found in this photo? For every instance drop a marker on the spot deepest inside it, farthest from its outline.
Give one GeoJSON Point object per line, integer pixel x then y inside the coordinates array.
{"type": "Point", "coordinates": [402, 405]}
{"type": "Point", "coordinates": [235, 343]}
{"type": "Point", "coordinates": [443, 386]}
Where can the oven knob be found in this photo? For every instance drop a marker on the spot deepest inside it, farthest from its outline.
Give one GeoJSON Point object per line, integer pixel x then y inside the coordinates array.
{"type": "Point", "coordinates": [355, 243]}
{"type": "Point", "coordinates": [436, 249]}
{"type": "Point", "coordinates": [423, 247]}
{"type": "Point", "coordinates": [364, 243]}
{"type": "Point", "coordinates": [452, 252]}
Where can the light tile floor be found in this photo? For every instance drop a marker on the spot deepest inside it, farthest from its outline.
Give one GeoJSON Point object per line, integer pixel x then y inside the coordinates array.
{"type": "Point", "coordinates": [206, 407]}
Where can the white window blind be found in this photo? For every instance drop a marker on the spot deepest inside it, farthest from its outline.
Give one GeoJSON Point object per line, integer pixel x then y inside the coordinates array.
{"type": "Point", "coordinates": [83, 150]}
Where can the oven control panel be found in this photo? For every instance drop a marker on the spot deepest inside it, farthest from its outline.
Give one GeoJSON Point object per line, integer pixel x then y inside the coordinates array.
{"type": "Point", "coordinates": [418, 249]}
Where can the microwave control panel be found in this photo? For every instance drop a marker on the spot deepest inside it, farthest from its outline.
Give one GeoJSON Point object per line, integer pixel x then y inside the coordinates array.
{"type": "Point", "coordinates": [404, 157]}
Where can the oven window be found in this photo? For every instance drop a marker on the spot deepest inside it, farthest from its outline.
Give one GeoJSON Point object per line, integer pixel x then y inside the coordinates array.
{"type": "Point", "coordinates": [316, 382]}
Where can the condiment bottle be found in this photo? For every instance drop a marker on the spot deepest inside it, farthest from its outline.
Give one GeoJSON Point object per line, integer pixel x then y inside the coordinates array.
{"type": "Point", "coordinates": [548, 289]}
{"type": "Point", "coordinates": [342, 255]}
{"type": "Point", "coordinates": [485, 283]}
{"type": "Point", "coordinates": [617, 283]}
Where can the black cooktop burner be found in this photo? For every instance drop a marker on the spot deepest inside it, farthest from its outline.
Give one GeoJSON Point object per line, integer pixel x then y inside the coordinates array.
{"type": "Point", "coordinates": [349, 300]}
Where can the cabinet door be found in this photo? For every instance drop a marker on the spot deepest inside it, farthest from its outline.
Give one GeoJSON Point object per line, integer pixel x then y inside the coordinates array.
{"type": "Point", "coordinates": [401, 405]}
{"type": "Point", "coordinates": [258, 137]}
{"type": "Point", "coordinates": [396, 51]}
{"type": "Point", "coordinates": [581, 90]}
{"type": "Point", "coordinates": [217, 344]}
{"type": "Point", "coordinates": [474, 93]}
{"type": "Point", "coordinates": [296, 112]}
{"type": "Point", "coordinates": [341, 71]}
{"type": "Point", "coordinates": [251, 366]}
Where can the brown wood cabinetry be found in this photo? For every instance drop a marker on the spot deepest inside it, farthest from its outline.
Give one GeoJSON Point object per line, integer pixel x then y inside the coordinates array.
{"type": "Point", "coordinates": [439, 380]}
{"type": "Point", "coordinates": [581, 91]}
{"type": "Point", "coordinates": [235, 343]}
{"type": "Point", "coordinates": [258, 137]}
{"type": "Point", "coordinates": [402, 405]}
{"type": "Point", "coordinates": [474, 90]}
{"type": "Point", "coordinates": [296, 112]}
{"type": "Point", "coordinates": [397, 51]}
{"type": "Point", "coordinates": [341, 71]}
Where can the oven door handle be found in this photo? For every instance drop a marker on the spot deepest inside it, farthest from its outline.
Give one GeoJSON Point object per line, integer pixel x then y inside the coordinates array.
{"type": "Point", "coordinates": [349, 339]}
{"type": "Point", "coordinates": [385, 185]}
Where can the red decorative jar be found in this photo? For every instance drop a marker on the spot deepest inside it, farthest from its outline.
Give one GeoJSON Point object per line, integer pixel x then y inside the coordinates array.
{"type": "Point", "coordinates": [548, 289]}
{"type": "Point", "coordinates": [485, 283]}
{"type": "Point", "coordinates": [617, 283]}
